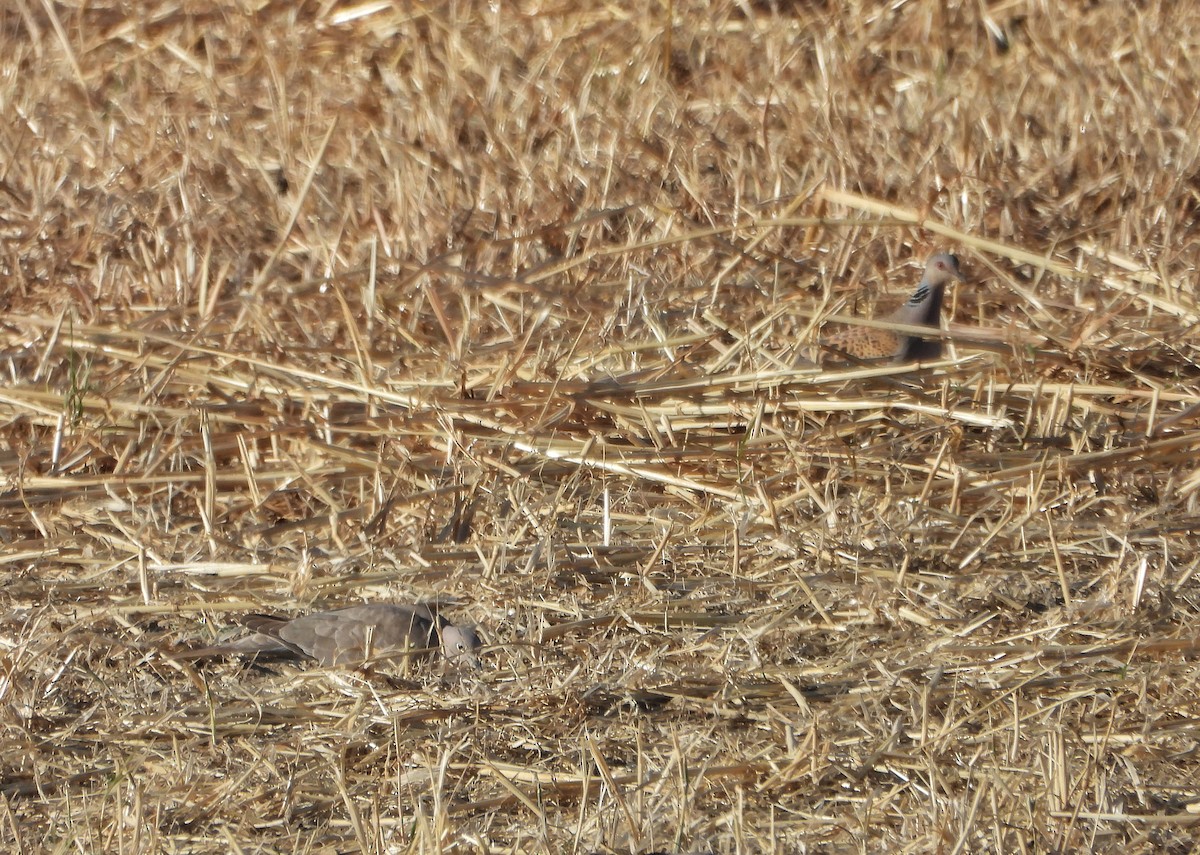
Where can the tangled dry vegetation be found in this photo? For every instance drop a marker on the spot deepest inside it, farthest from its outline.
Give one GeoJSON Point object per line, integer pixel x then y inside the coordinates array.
{"type": "Point", "coordinates": [500, 305]}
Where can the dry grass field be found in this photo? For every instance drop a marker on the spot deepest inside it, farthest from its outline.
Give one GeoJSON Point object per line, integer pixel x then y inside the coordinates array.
{"type": "Point", "coordinates": [500, 305]}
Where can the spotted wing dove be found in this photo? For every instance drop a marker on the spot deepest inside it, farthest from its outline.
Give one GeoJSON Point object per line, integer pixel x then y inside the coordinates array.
{"type": "Point", "coordinates": [923, 308]}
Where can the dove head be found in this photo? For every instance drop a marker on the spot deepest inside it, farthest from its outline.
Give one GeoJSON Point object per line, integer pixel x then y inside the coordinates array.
{"type": "Point", "coordinates": [942, 268]}
{"type": "Point", "coordinates": [460, 645]}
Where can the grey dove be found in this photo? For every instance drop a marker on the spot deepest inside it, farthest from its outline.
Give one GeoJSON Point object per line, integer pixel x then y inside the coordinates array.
{"type": "Point", "coordinates": [352, 635]}
{"type": "Point", "coordinates": [923, 309]}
